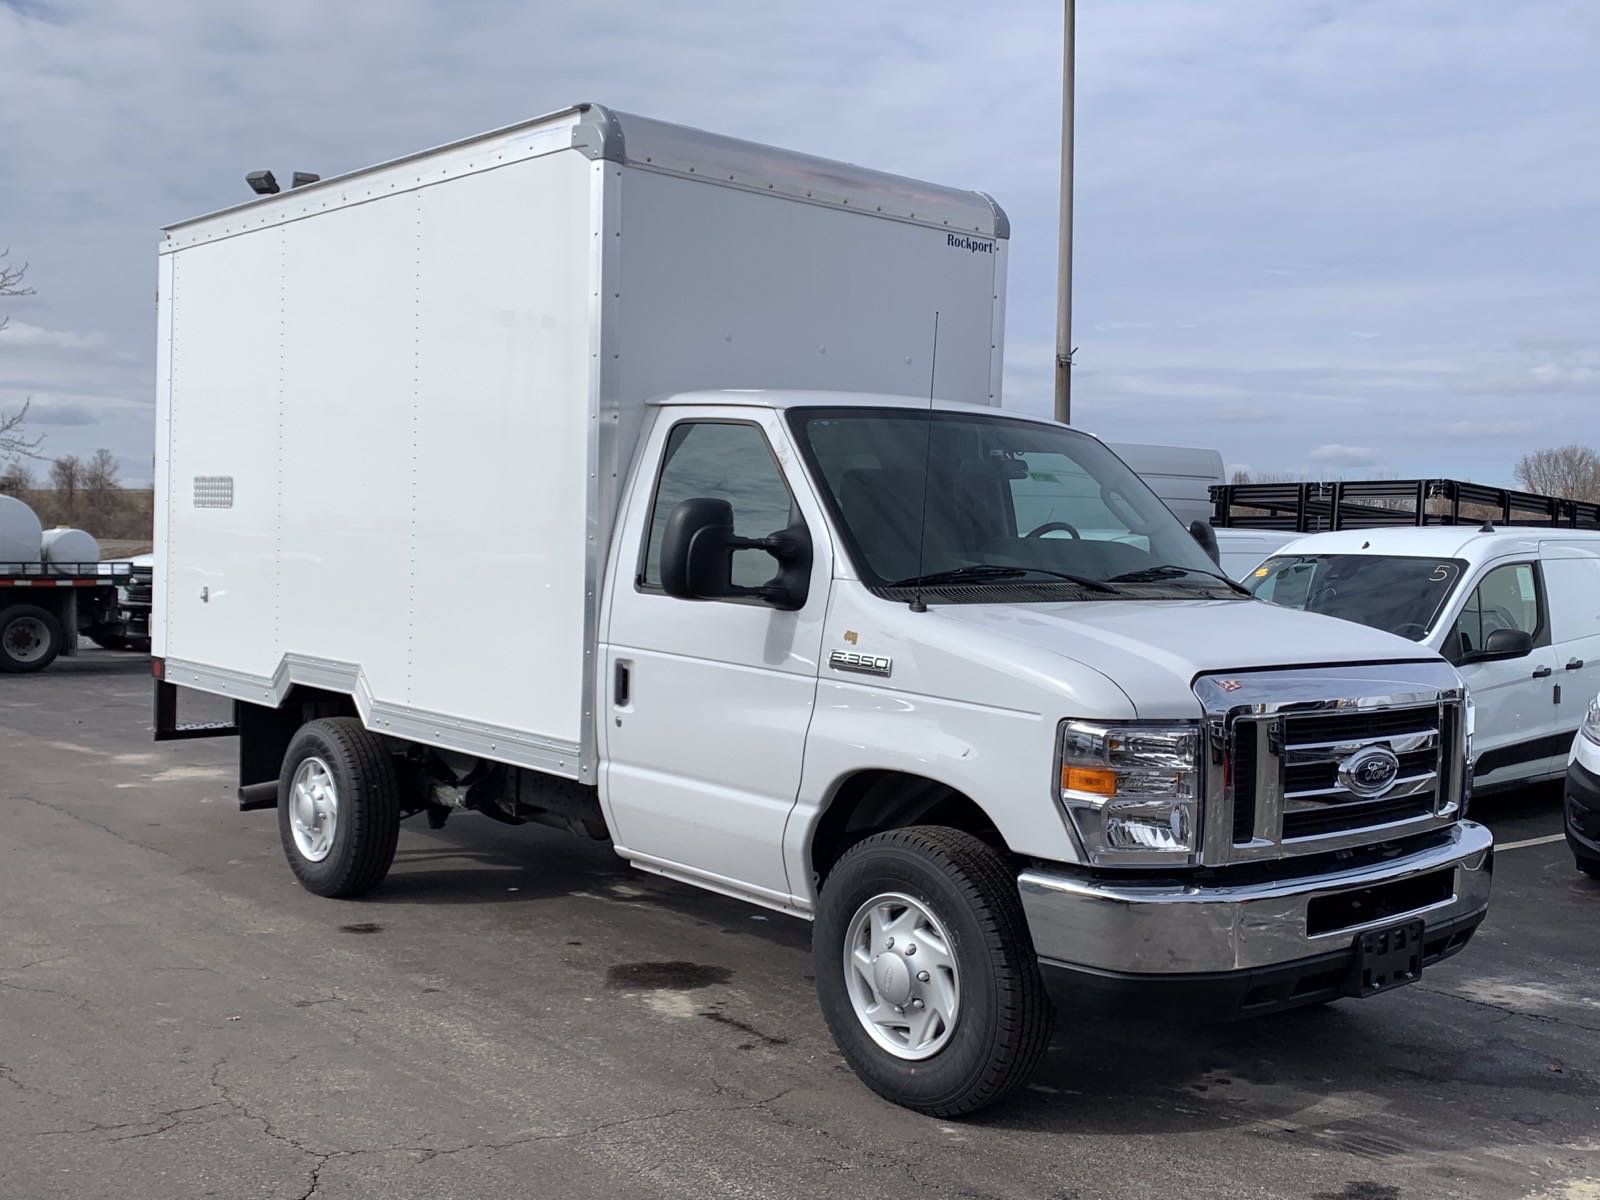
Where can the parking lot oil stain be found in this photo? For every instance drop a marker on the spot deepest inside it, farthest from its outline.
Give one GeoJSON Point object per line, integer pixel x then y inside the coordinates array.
{"type": "Point", "coordinates": [735, 1023]}
{"type": "Point", "coordinates": [361, 927]}
{"type": "Point", "coordinates": [653, 976]}
{"type": "Point", "coordinates": [1361, 1189]}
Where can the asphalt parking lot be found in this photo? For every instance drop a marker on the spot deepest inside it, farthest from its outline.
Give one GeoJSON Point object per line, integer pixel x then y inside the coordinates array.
{"type": "Point", "coordinates": [515, 1013]}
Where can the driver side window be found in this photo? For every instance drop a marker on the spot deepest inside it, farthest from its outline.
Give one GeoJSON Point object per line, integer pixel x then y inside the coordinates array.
{"type": "Point", "coordinates": [1506, 598]}
{"type": "Point", "coordinates": [729, 461]}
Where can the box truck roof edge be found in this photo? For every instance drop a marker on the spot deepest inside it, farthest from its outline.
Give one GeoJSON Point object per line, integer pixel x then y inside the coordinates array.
{"type": "Point", "coordinates": [604, 133]}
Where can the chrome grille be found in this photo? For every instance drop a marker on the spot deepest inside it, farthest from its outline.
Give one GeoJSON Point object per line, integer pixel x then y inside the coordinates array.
{"type": "Point", "coordinates": [1284, 761]}
{"type": "Point", "coordinates": [1315, 800]}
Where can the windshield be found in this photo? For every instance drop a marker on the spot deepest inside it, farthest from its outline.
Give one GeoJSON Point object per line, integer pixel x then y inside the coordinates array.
{"type": "Point", "coordinates": [1399, 595]}
{"type": "Point", "coordinates": [1007, 501]}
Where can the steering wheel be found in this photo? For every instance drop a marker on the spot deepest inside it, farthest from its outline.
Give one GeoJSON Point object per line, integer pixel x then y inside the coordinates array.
{"type": "Point", "coordinates": [1051, 527]}
{"type": "Point", "coordinates": [1402, 630]}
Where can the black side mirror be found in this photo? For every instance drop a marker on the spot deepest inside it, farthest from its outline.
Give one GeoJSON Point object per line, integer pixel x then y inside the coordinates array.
{"type": "Point", "coordinates": [697, 549]}
{"type": "Point", "coordinates": [1503, 644]}
{"type": "Point", "coordinates": [1202, 532]}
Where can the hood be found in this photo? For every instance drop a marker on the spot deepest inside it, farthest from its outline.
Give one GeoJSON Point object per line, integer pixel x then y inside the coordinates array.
{"type": "Point", "coordinates": [1154, 650]}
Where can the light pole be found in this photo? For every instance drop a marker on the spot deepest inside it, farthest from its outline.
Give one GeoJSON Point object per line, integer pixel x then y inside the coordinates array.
{"type": "Point", "coordinates": [1064, 261]}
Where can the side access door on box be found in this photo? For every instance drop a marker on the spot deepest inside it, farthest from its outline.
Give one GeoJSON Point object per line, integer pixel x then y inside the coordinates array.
{"type": "Point", "coordinates": [705, 703]}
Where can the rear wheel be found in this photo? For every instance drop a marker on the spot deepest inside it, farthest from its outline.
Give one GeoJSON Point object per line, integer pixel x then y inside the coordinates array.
{"type": "Point", "coordinates": [30, 638]}
{"type": "Point", "coordinates": [338, 807]}
{"type": "Point", "coordinates": [111, 641]}
{"type": "Point", "coordinates": [926, 971]}
{"type": "Point", "coordinates": [1590, 867]}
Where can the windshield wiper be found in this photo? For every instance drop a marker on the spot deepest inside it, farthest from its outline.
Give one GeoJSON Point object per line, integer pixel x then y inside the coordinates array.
{"type": "Point", "coordinates": [1169, 571]}
{"type": "Point", "coordinates": [975, 571]}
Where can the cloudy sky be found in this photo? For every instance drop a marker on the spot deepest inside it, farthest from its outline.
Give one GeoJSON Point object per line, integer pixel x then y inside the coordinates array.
{"type": "Point", "coordinates": [1340, 238]}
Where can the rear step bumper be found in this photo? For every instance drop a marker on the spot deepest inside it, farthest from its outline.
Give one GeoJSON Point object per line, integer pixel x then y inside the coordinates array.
{"type": "Point", "coordinates": [167, 728]}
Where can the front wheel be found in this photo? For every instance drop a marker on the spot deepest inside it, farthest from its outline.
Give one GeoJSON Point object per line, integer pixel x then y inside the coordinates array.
{"type": "Point", "coordinates": [926, 971]}
{"type": "Point", "coordinates": [30, 638]}
{"type": "Point", "coordinates": [338, 807]}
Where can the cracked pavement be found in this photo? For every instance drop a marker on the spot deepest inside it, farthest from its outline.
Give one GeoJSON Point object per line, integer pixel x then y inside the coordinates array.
{"type": "Point", "coordinates": [515, 1013]}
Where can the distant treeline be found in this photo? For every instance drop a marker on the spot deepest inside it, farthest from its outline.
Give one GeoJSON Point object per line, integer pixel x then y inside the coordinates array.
{"type": "Point", "coordinates": [85, 494]}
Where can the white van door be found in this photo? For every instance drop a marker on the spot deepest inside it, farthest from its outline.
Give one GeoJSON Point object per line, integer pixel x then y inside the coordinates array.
{"type": "Point", "coordinates": [707, 702]}
{"type": "Point", "coordinates": [1572, 579]}
{"type": "Point", "coordinates": [1517, 710]}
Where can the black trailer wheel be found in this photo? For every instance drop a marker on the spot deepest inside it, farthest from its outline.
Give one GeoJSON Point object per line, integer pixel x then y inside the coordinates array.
{"type": "Point", "coordinates": [926, 971]}
{"type": "Point", "coordinates": [30, 638]}
{"type": "Point", "coordinates": [338, 807]}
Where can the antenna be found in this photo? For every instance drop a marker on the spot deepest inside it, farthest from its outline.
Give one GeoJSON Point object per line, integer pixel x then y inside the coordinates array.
{"type": "Point", "coordinates": [927, 465]}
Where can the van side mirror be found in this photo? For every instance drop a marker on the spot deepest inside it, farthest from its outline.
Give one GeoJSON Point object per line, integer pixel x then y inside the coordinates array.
{"type": "Point", "coordinates": [697, 549]}
{"type": "Point", "coordinates": [1503, 644]}
{"type": "Point", "coordinates": [1202, 532]}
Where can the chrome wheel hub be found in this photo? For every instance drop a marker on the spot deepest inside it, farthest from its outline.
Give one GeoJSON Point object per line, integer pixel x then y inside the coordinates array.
{"type": "Point", "coordinates": [313, 809]}
{"type": "Point", "coordinates": [26, 639]}
{"type": "Point", "coordinates": [900, 972]}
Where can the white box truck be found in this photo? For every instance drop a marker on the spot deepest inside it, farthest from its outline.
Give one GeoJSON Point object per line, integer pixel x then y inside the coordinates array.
{"type": "Point", "coordinates": [949, 681]}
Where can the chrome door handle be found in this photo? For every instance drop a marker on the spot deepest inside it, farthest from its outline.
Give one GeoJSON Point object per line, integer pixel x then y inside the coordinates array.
{"type": "Point", "coordinates": [1575, 665]}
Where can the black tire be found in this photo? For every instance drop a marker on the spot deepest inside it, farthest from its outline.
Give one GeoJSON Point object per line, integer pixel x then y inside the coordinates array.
{"type": "Point", "coordinates": [30, 639]}
{"type": "Point", "coordinates": [110, 641]}
{"type": "Point", "coordinates": [368, 806]}
{"type": "Point", "coordinates": [1004, 1017]}
{"type": "Point", "coordinates": [1590, 867]}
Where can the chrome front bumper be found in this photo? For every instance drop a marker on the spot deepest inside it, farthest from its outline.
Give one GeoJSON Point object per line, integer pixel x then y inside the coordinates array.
{"type": "Point", "coordinates": [1172, 928]}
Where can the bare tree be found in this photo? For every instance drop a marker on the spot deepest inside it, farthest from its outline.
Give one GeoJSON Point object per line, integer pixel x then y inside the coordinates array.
{"type": "Point", "coordinates": [1242, 475]}
{"type": "Point", "coordinates": [1569, 471]}
{"type": "Point", "coordinates": [66, 477]}
{"type": "Point", "coordinates": [11, 281]}
{"type": "Point", "coordinates": [14, 440]}
{"type": "Point", "coordinates": [14, 443]}
{"type": "Point", "coordinates": [16, 480]}
{"type": "Point", "coordinates": [102, 492]}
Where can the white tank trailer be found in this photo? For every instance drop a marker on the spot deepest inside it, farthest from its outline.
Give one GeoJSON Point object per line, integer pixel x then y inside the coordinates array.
{"type": "Point", "coordinates": [65, 548]}
{"type": "Point", "coordinates": [20, 532]}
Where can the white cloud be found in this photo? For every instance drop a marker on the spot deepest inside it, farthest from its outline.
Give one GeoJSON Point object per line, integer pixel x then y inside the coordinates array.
{"type": "Point", "coordinates": [21, 334]}
{"type": "Point", "coordinates": [1336, 455]}
{"type": "Point", "coordinates": [1556, 375]}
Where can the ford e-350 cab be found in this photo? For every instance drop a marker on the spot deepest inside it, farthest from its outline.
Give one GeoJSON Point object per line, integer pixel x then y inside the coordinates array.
{"type": "Point", "coordinates": [950, 682]}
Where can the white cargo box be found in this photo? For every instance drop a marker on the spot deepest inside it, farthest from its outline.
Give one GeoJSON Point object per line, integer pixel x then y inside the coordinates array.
{"type": "Point", "coordinates": [395, 407]}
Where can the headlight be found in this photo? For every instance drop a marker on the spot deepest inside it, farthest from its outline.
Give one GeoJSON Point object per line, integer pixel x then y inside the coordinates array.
{"type": "Point", "coordinates": [1591, 722]}
{"type": "Point", "coordinates": [1132, 790]}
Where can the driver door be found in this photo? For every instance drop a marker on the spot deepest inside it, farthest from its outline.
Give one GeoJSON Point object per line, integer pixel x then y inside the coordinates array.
{"type": "Point", "coordinates": [708, 701]}
{"type": "Point", "coordinates": [1517, 711]}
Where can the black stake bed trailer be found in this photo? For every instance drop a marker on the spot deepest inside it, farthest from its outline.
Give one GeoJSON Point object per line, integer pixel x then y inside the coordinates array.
{"type": "Point", "coordinates": [1378, 503]}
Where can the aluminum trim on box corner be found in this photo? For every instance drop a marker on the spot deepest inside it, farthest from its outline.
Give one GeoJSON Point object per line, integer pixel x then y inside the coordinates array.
{"type": "Point", "coordinates": [495, 742]}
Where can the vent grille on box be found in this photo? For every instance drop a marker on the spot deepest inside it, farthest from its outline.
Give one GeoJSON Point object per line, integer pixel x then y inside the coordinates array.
{"type": "Point", "coordinates": [213, 491]}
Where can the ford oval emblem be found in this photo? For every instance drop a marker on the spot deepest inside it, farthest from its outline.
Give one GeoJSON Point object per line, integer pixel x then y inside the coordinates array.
{"type": "Point", "coordinates": [1369, 772]}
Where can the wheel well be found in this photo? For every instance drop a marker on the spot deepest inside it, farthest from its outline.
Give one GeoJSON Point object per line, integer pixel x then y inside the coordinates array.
{"type": "Point", "coordinates": [870, 802]}
{"type": "Point", "coordinates": [264, 733]}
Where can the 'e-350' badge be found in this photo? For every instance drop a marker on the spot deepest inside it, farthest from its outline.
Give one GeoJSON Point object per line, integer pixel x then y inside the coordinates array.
{"type": "Point", "coordinates": [861, 664]}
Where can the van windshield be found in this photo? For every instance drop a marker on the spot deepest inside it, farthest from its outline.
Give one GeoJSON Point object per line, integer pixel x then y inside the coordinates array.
{"type": "Point", "coordinates": [1399, 595]}
{"type": "Point", "coordinates": [1008, 503]}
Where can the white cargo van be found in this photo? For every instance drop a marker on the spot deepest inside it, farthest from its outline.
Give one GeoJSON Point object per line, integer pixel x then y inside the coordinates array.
{"type": "Point", "coordinates": [1517, 610]}
{"type": "Point", "coordinates": [1182, 476]}
{"type": "Point", "coordinates": [951, 682]}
